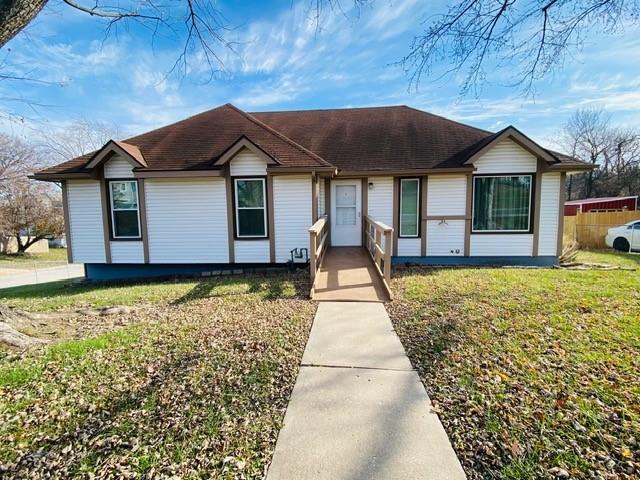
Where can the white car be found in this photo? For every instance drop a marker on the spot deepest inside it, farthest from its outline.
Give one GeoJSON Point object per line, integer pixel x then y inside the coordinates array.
{"type": "Point", "coordinates": [625, 237]}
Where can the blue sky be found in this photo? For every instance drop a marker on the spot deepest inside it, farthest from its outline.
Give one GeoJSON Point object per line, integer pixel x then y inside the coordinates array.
{"type": "Point", "coordinates": [284, 62]}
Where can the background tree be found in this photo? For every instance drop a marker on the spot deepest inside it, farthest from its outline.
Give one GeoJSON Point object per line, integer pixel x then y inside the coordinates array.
{"type": "Point", "coordinates": [80, 137]}
{"type": "Point", "coordinates": [29, 211]}
{"type": "Point", "coordinates": [528, 39]}
{"type": "Point", "coordinates": [17, 160]}
{"type": "Point", "coordinates": [589, 136]}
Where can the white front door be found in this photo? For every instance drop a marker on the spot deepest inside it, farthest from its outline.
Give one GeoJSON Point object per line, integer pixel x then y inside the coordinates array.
{"type": "Point", "coordinates": [346, 215]}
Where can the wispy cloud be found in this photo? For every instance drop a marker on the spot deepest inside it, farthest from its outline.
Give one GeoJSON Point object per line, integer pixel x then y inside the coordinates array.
{"type": "Point", "coordinates": [285, 60]}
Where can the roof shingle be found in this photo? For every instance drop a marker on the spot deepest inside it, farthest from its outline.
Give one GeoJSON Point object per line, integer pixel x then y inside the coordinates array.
{"type": "Point", "coordinates": [357, 139]}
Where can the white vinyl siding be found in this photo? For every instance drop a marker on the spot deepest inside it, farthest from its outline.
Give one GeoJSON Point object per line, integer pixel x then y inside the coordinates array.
{"type": "Point", "coordinates": [506, 157]}
{"type": "Point", "coordinates": [501, 245]}
{"type": "Point", "coordinates": [446, 195]}
{"type": "Point", "coordinates": [380, 200]}
{"type": "Point", "coordinates": [321, 197]}
{"type": "Point", "coordinates": [247, 163]}
{"type": "Point", "coordinates": [127, 252]}
{"type": "Point", "coordinates": [292, 214]}
{"type": "Point", "coordinates": [549, 214]}
{"type": "Point", "coordinates": [409, 247]}
{"type": "Point", "coordinates": [187, 221]}
{"type": "Point", "coordinates": [118, 167]}
{"type": "Point", "coordinates": [445, 238]}
{"type": "Point", "coordinates": [85, 221]}
{"type": "Point", "coordinates": [252, 251]}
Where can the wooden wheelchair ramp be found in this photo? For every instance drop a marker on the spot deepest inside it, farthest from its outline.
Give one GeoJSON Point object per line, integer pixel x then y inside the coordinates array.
{"type": "Point", "coordinates": [348, 274]}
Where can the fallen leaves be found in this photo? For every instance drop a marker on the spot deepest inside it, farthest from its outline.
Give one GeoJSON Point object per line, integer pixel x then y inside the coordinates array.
{"type": "Point", "coordinates": [197, 388]}
{"type": "Point", "coordinates": [535, 372]}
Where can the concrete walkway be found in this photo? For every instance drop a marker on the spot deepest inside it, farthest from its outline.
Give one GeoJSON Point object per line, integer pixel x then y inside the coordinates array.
{"type": "Point", "coordinates": [358, 409]}
{"type": "Point", "coordinates": [41, 275]}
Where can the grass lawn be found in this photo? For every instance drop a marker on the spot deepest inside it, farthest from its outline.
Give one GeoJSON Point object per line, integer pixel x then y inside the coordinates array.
{"type": "Point", "coordinates": [67, 295]}
{"type": "Point", "coordinates": [610, 257]}
{"type": "Point", "coordinates": [193, 385]}
{"type": "Point", "coordinates": [54, 257]}
{"type": "Point", "coordinates": [535, 372]}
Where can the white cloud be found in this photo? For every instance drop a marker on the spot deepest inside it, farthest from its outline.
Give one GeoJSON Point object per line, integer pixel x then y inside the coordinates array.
{"type": "Point", "coordinates": [285, 89]}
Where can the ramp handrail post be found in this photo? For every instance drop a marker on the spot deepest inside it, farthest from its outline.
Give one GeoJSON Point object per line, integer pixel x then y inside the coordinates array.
{"type": "Point", "coordinates": [387, 255]}
{"type": "Point", "coordinates": [317, 249]}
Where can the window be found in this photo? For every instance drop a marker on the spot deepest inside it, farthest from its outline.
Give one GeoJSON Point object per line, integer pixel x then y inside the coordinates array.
{"type": "Point", "coordinates": [633, 226]}
{"type": "Point", "coordinates": [409, 206]}
{"type": "Point", "coordinates": [502, 203]}
{"type": "Point", "coordinates": [125, 218]}
{"type": "Point", "coordinates": [251, 214]}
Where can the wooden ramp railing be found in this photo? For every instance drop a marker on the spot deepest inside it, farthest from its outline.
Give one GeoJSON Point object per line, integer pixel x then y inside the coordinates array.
{"type": "Point", "coordinates": [374, 233]}
{"type": "Point", "coordinates": [318, 234]}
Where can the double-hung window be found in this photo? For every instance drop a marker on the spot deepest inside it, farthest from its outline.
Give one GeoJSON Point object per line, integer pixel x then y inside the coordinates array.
{"type": "Point", "coordinates": [409, 206]}
{"type": "Point", "coordinates": [125, 214]}
{"type": "Point", "coordinates": [502, 203]}
{"type": "Point", "coordinates": [251, 209]}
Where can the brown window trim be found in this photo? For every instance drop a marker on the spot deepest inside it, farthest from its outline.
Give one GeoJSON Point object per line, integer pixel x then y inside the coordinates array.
{"type": "Point", "coordinates": [112, 237]}
{"type": "Point", "coordinates": [266, 207]}
{"type": "Point", "coordinates": [419, 180]}
{"type": "Point", "coordinates": [532, 209]}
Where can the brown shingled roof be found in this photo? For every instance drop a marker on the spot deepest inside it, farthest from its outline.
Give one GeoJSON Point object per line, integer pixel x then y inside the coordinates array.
{"type": "Point", "coordinates": [357, 139]}
{"type": "Point", "coordinates": [378, 138]}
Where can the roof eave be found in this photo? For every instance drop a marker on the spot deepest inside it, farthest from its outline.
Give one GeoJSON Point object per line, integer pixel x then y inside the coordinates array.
{"type": "Point", "coordinates": [521, 139]}
{"type": "Point", "coordinates": [57, 177]}
{"type": "Point", "coordinates": [134, 156]}
{"type": "Point", "coordinates": [406, 171]}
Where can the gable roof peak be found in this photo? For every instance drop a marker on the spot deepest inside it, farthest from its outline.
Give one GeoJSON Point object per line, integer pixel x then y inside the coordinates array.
{"type": "Point", "coordinates": [281, 136]}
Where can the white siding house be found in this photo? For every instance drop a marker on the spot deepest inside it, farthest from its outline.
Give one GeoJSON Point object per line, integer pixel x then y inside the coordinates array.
{"type": "Point", "coordinates": [85, 221]}
{"type": "Point", "coordinates": [380, 200]}
{"type": "Point", "coordinates": [549, 214]}
{"type": "Point", "coordinates": [187, 220]}
{"type": "Point", "coordinates": [446, 197]}
{"type": "Point", "coordinates": [506, 157]}
{"type": "Point", "coordinates": [226, 188]}
{"type": "Point", "coordinates": [292, 212]}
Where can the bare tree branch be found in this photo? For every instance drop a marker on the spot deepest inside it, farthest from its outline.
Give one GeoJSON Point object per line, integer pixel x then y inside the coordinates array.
{"type": "Point", "coordinates": [530, 38]}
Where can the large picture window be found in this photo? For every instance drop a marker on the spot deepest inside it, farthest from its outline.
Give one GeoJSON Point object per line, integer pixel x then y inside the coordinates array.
{"type": "Point", "coordinates": [125, 216]}
{"type": "Point", "coordinates": [502, 203]}
{"type": "Point", "coordinates": [409, 206]}
{"type": "Point", "coordinates": [251, 211]}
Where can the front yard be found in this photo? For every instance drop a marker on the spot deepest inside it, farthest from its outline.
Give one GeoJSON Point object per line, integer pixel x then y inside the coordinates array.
{"type": "Point", "coordinates": [192, 382]}
{"type": "Point", "coordinates": [535, 372]}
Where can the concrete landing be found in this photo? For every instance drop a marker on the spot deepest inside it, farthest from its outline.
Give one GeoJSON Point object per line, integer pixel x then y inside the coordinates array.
{"type": "Point", "coordinates": [358, 410]}
{"type": "Point", "coordinates": [348, 274]}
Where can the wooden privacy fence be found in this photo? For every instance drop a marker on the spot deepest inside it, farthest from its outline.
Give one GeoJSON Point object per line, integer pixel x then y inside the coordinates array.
{"type": "Point", "coordinates": [374, 232]}
{"type": "Point", "coordinates": [589, 229]}
{"type": "Point", "coordinates": [317, 245]}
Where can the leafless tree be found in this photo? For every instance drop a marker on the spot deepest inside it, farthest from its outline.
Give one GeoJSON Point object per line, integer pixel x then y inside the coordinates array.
{"type": "Point", "coordinates": [589, 136]}
{"type": "Point", "coordinates": [30, 212]}
{"type": "Point", "coordinates": [528, 38]}
{"type": "Point", "coordinates": [17, 160]}
{"type": "Point", "coordinates": [80, 137]}
{"type": "Point", "coordinates": [198, 25]}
